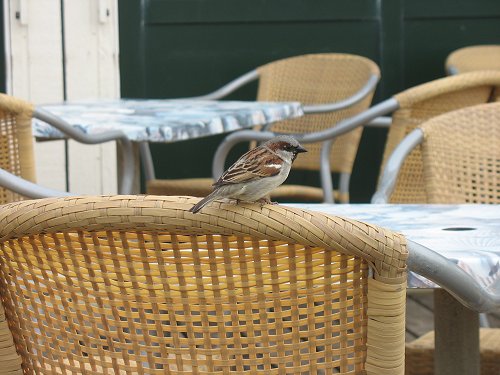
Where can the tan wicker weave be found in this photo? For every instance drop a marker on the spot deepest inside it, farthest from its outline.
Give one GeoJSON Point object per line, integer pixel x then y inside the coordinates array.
{"type": "Point", "coordinates": [16, 142]}
{"type": "Point", "coordinates": [461, 164]}
{"type": "Point", "coordinates": [137, 284]}
{"type": "Point", "coordinates": [420, 353]}
{"type": "Point", "coordinates": [423, 102]}
{"type": "Point", "coordinates": [468, 59]}
{"type": "Point", "coordinates": [309, 79]}
{"type": "Point", "coordinates": [461, 156]}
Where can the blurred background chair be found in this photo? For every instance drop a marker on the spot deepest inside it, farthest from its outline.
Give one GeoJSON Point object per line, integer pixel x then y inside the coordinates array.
{"type": "Point", "coordinates": [17, 163]}
{"type": "Point", "coordinates": [409, 109]}
{"type": "Point", "coordinates": [460, 164]}
{"type": "Point", "coordinates": [471, 58]}
{"type": "Point", "coordinates": [420, 353]}
{"type": "Point", "coordinates": [423, 102]}
{"type": "Point", "coordinates": [138, 284]}
{"type": "Point", "coordinates": [460, 154]}
{"type": "Point", "coordinates": [462, 167]}
{"type": "Point", "coordinates": [331, 87]}
{"type": "Point", "coordinates": [16, 143]}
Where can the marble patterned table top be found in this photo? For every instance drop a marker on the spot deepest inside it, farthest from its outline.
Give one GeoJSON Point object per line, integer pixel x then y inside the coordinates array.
{"type": "Point", "coordinates": [467, 234]}
{"type": "Point", "coordinates": [155, 120]}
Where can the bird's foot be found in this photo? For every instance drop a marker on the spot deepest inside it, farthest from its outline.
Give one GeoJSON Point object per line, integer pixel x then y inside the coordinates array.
{"type": "Point", "coordinates": [266, 200]}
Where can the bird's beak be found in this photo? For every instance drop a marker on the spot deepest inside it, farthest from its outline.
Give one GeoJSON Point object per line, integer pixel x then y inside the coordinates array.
{"type": "Point", "coordinates": [300, 149]}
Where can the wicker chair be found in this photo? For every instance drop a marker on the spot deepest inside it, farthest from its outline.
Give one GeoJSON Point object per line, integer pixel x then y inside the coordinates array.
{"type": "Point", "coordinates": [16, 143]}
{"type": "Point", "coordinates": [137, 284]}
{"type": "Point", "coordinates": [420, 103]}
{"type": "Point", "coordinates": [17, 163]}
{"type": "Point", "coordinates": [459, 155]}
{"type": "Point", "coordinates": [460, 164]}
{"type": "Point", "coordinates": [345, 81]}
{"type": "Point", "coordinates": [468, 59]}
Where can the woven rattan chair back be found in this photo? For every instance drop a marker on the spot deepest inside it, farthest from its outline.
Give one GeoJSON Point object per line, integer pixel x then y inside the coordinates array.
{"type": "Point", "coordinates": [461, 156]}
{"type": "Point", "coordinates": [137, 284]}
{"type": "Point", "coordinates": [472, 58]}
{"type": "Point", "coordinates": [16, 142]}
{"type": "Point", "coordinates": [316, 79]}
{"type": "Point", "coordinates": [423, 102]}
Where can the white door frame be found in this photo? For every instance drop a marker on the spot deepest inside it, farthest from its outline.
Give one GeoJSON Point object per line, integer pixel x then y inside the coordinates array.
{"type": "Point", "coordinates": [35, 31]}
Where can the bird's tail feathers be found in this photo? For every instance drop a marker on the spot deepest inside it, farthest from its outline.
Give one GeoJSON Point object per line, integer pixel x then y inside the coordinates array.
{"type": "Point", "coordinates": [198, 206]}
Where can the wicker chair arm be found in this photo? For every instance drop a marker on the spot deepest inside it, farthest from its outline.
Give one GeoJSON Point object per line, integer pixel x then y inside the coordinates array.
{"type": "Point", "coordinates": [447, 85]}
{"type": "Point", "coordinates": [383, 249]}
{"type": "Point", "coordinates": [16, 105]}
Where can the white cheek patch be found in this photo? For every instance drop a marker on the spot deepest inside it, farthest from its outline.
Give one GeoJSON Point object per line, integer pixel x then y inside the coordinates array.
{"type": "Point", "coordinates": [277, 166]}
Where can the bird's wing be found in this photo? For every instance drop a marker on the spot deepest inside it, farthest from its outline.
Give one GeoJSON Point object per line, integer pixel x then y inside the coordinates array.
{"type": "Point", "coordinates": [256, 163]}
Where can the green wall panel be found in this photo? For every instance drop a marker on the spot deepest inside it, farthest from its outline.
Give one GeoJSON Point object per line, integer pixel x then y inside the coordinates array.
{"type": "Point", "coordinates": [176, 48]}
{"type": "Point", "coordinates": [446, 9]}
{"type": "Point", "coordinates": [200, 58]}
{"type": "Point", "coordinates": [430, 41]}
{"type": "Point", "coordinates": [244, 11]}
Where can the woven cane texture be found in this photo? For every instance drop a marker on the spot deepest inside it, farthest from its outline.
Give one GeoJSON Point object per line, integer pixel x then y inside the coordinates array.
{"type": "Point", "coordinates": [421, 103]}
{"type": "Point", "coordinates": [138, 284]}
{"type": "Point", "coordinates": [461, 156]}
{"type": "Point", "coordinates": [472, 58]}
{"type": "Point", "coordinates": [420, 353]}
{"type": "Point", "coordinates": [317, 79]}
{"type": "Point", "coordinates": [16, 142]}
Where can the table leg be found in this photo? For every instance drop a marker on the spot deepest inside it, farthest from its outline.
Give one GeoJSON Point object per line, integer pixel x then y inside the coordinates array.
{"type": "Point", "coordinates": [456, 336]}
{"type": "Point", "coordinates": [136, 185]}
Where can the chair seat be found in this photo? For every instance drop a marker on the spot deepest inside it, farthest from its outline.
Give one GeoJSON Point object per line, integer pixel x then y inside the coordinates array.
{"type": "Point", "coordinates": [201, 187]}
{"type": "Point", "coordinates": [420, 353]}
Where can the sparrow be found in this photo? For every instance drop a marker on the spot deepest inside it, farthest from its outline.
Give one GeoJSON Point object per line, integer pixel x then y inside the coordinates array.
{"type": "Point", "coordinates": [256, 173]}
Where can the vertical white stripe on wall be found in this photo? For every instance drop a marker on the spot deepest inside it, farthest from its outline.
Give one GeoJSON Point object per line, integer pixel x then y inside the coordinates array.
{"type": "Point", "coordinates": [91, 37]}
{"type": "Point", "coordinates": [35, 72]}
